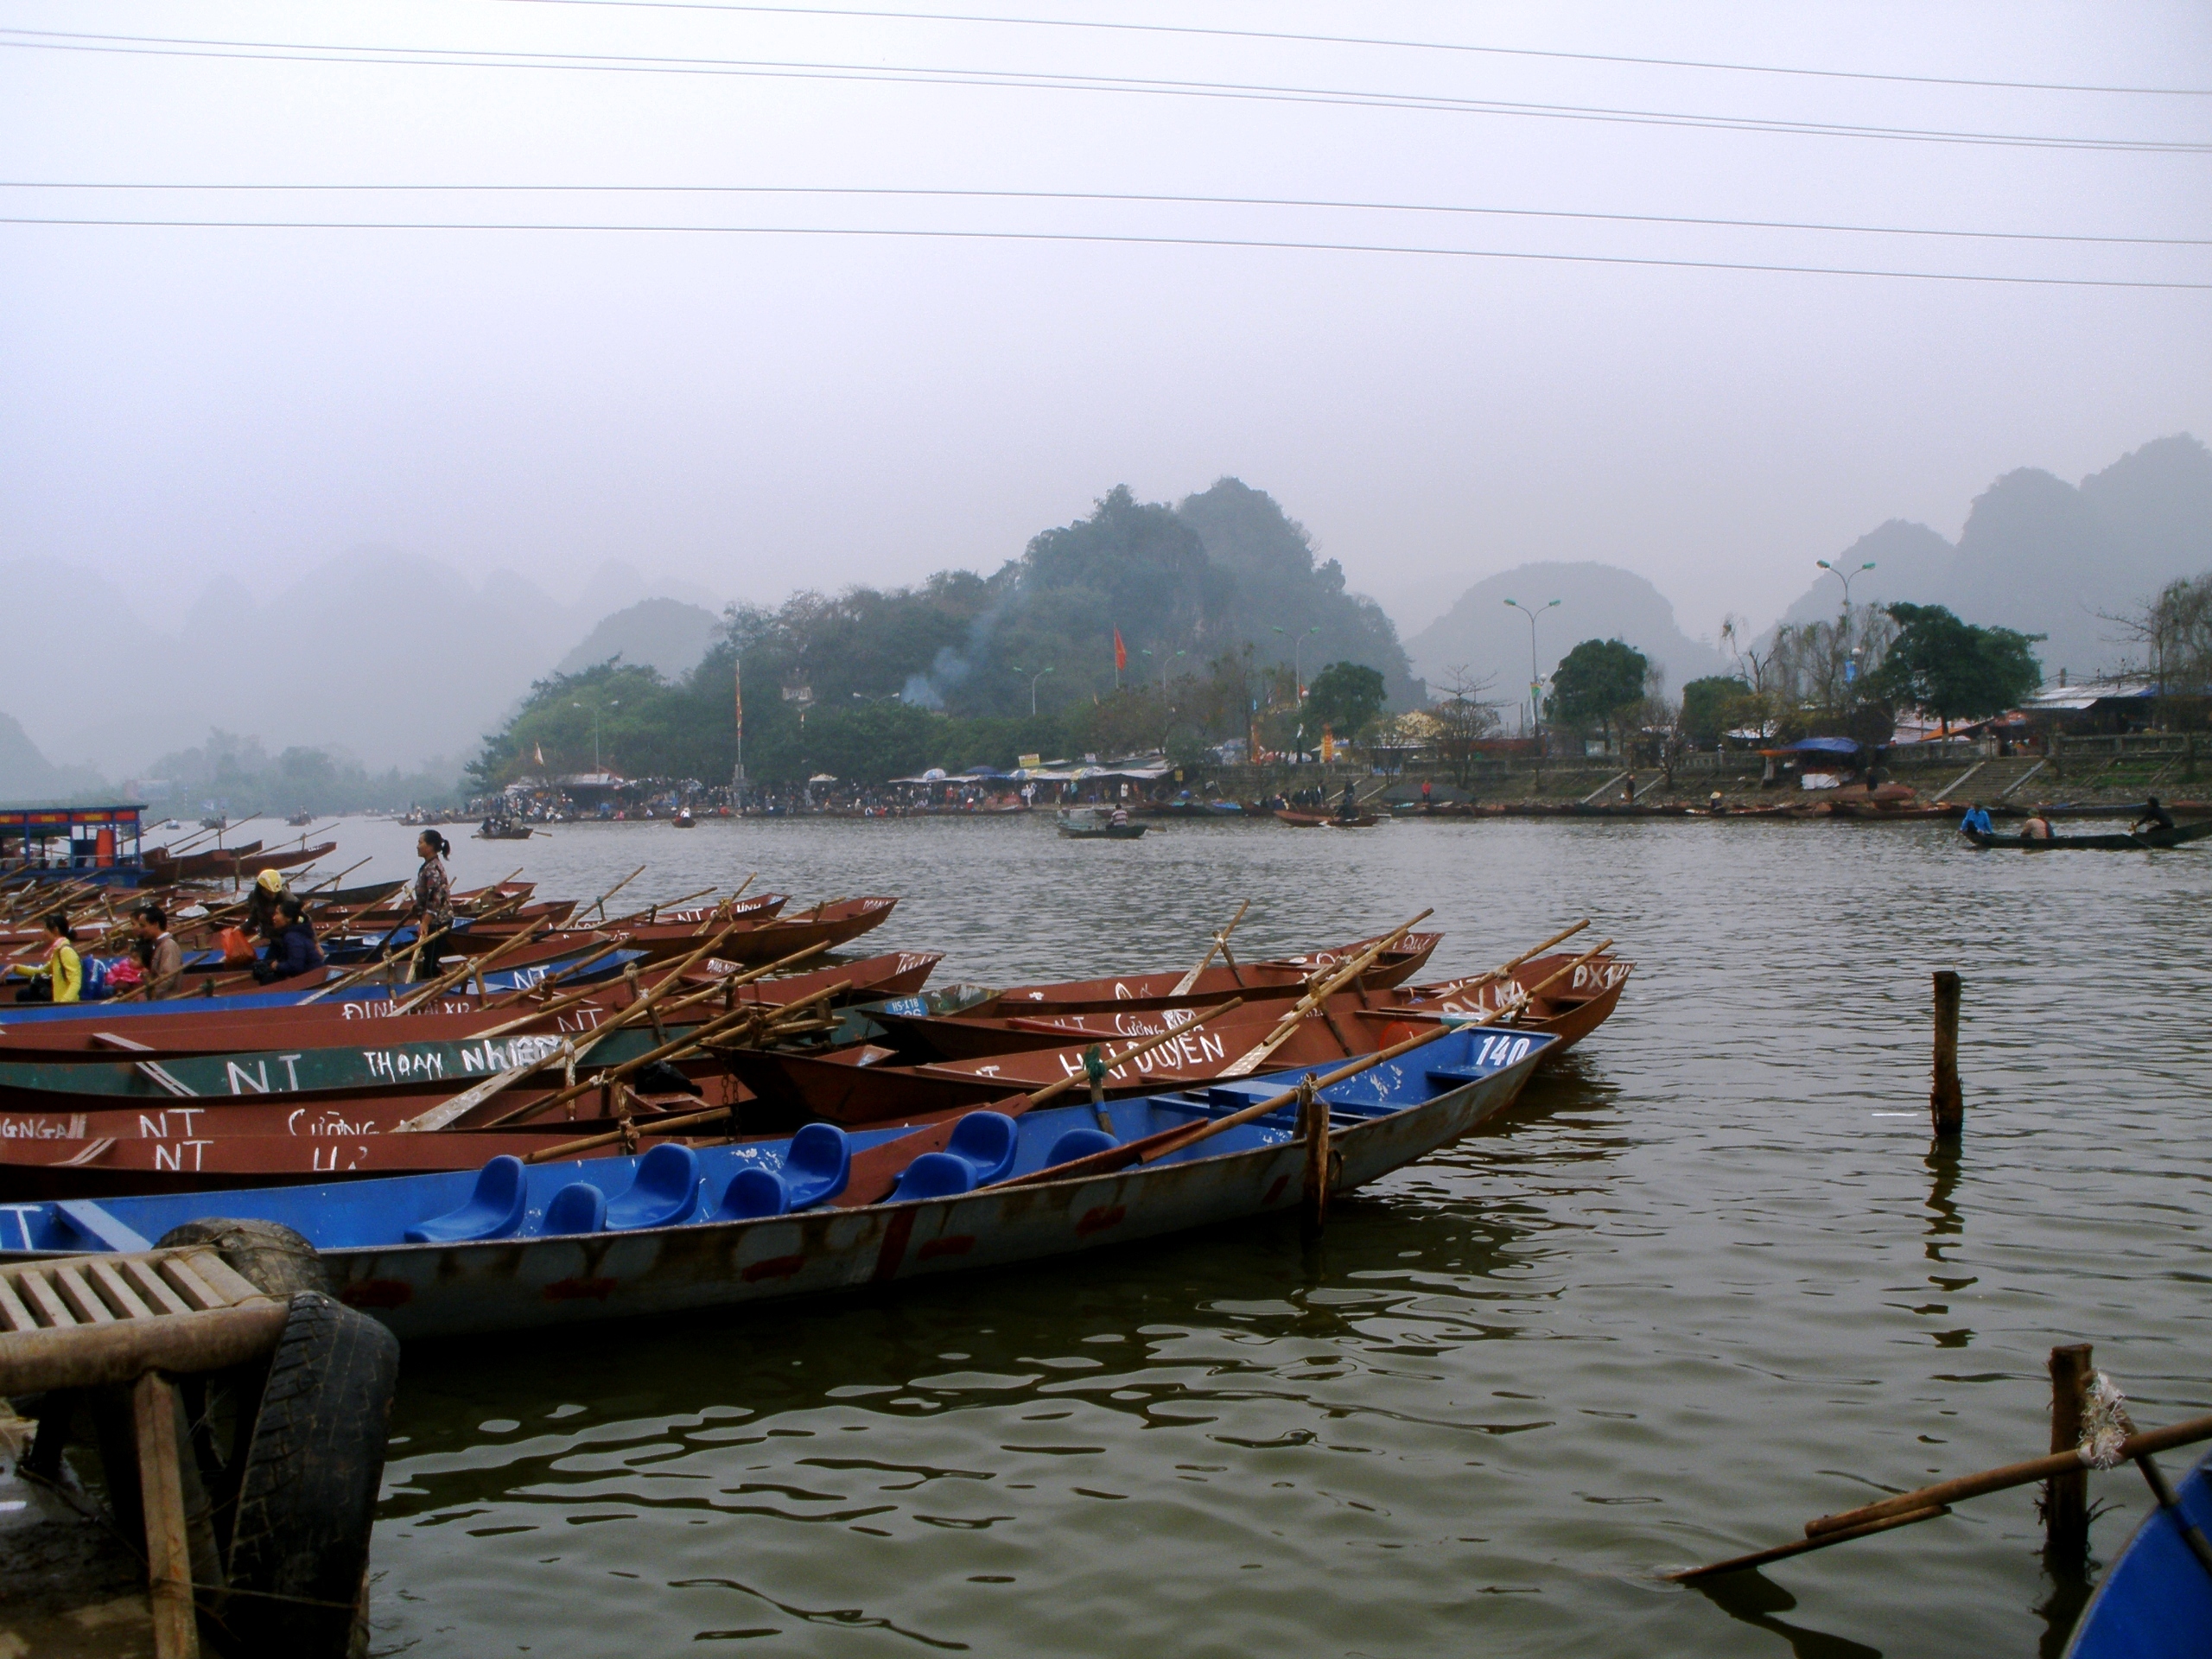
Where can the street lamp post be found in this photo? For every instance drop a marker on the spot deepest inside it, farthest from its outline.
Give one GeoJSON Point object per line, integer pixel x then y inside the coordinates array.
{"type": "Point", "coordinates": [1297, 645]}
{"type": "Point", "coordinates": [1033, 678]}
{"type": "Point", "coordinates": [1535, 675]}
{"type": "Point", "coordinates": [614, 704]}
{"type": "Point", "coordinates": [1165, 662]}
{"type": "Point", "coordinates": [1847, 577]}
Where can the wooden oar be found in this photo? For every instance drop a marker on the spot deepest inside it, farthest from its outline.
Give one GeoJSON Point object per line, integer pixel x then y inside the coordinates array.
{"type": "Point", "coordinates": [1324, 985]}
{"type": "Point", "coordinates": [333, 880]}
{"type": "Point", "coordinates": [675, 1045]}
{"type": "Point", "coordinates": [729, 905]}
{"type": "Point", "coordinates": [1152, 1148]}
{"type": "Point", "coordinates": [652, 911]}
{"type": "Point", "coordinates": [599, 903]}
{"type": "Point", "coordinates": [446, 981]}
{"type": "Point", "coordinates": [1929, 1501]}
{"type": "Point", "coordinates": [876, 1171]}
{"type": "Point", "coordinates": [1220, 943]}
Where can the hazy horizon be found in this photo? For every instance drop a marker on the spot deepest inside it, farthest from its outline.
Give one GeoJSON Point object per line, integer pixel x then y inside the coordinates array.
{"type": "Point", "coordinates": [742, 415]}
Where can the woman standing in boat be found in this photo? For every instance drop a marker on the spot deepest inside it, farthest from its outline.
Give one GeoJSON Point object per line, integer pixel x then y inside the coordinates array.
{"type": "Point", "coordinates": [433, 900]}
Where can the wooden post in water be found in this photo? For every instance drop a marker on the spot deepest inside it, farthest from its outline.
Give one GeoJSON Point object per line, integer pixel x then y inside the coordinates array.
{"type": "Point", "coordinates": [1314, 1125]}
{"type": "Point", "coordinates": [2066, 1497]}
{"type": "Point", "coordinates": [1945, 1103]}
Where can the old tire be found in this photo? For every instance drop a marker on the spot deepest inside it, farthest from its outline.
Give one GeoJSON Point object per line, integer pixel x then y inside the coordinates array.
{"type": "Point", "coordinates": [308, 1482]}
{"type": "Point", "coordinates": [267, 1254]}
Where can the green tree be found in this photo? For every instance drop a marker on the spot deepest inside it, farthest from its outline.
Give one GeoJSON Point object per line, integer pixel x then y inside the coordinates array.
{"type": "Point", "coordinates": [1346, 697]}
{"type": "Point", "coordinates": [1710, 707]}
{"type": "Point", "coordinates": [1599, 683]}
{"type": "Point", "coordinates": [1953, 670]}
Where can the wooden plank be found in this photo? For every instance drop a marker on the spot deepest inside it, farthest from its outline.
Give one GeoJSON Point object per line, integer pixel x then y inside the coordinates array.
{"type": "Point", "coordinates": [150, 1285]}
{"type": "Point", "coordinates": [225, 1280]}
{"type": "Point", "coordinates": [168, 1547]}
{"type": "Point", "coordinates": [45, 1305]}
{"type": "Point", "coordinates": [12, 1310]}
{"type": "Point", "coordinates": [84, 1302]}
{"type": "Point", "coordinates": [115, 1291]}
{"type": "Point", "coordinates": [189, 1285]}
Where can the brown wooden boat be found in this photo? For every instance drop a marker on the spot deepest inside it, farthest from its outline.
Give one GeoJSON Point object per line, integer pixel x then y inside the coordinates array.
{"type": "Point", "coordinates": [865, 1085]}
{"type": "Point", "coordinates": [1129, 992]}
{"type": "Point", "coordinates": [1325, 820]}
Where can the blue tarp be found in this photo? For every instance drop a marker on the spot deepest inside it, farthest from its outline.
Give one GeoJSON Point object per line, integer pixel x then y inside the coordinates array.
{"type": "Point", "coordinates": [1825, 745]}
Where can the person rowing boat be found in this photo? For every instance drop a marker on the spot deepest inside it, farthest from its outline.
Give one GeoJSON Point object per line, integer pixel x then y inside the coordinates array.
{"type": "Point", "coordinates": [2154, 816]}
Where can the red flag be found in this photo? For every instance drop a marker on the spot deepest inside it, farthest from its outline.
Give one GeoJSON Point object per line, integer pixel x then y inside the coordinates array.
{"type": "Point", "coordinates": [1120, 653]}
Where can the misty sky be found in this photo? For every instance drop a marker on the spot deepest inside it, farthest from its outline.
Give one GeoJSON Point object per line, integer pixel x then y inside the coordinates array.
{"type": "Point", "coordinates": [754, 412]}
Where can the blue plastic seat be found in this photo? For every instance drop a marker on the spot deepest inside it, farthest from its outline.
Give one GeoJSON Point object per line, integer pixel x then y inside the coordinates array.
{"type": "Point", "coordinates": [665, 1192]}
{"type": "Point", "coordinates": [494, 1209]}
{"type": "Point", "coordinates": [817, 1165]}
{"type": "Point", "coordinates": [579, 1207]}
{"type": "Point", "coordinates": [934, 1175]}
{"type": "Point", "coordinates": [986, 1141]}
{"type": "Point", "coordinates": [752, 1193]}
{"type": "Point", "coordinates": [1079, 1143]}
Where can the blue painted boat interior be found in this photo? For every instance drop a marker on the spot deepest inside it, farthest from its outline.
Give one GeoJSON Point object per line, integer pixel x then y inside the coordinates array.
{"type": "Point", "coordinates": [673, 1185]}
{"type": "Point", "coordinates": [2156, 1600]}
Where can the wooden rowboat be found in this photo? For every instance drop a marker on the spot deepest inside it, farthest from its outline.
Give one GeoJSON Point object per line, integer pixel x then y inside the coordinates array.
{"type": "Point", "coordinates": [1326, 820]}
{"type": "Point", "coordinates": [514, 1273]}
{"type": "Point", "coordinates": [2180, 835]}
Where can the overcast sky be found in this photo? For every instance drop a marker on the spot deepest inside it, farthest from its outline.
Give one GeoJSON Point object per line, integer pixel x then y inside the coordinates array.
{"type": "Point", "coordinates": [754, 412]}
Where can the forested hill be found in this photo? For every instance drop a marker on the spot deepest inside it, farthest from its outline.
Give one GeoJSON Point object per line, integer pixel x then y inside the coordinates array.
{"type": "Point", "coordinates": [1209, 596]}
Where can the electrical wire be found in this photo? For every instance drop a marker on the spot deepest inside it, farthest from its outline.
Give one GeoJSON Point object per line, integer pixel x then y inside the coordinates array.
{"type": "Point", "coordinates": [1131, 198]}
{"type": "Point", "coordinates": [1286, 36]}
{"type": "Point", "coordinates": [278, 51]}
{"type": "Point", "coordinates": [1100, 236]}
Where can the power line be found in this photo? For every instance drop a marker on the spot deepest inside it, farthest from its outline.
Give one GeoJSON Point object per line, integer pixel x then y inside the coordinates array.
{"type": "Point", "coordinates": [1147, 199]}
{"type": "Point", "coordinates": [288, 52]}
{"type": "Point", "coordinates": [1616, 58]}
{"type": "Point", "coordinates": [1100, 236]}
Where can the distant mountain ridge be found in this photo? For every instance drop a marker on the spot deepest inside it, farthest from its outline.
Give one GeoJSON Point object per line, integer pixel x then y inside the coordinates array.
{"type": "Point", "coordinates": [395, 657]}
{"type": "Point", "coordinates": [2045, 556]}
{"type": "Point", "coordinates": [1489, 639]}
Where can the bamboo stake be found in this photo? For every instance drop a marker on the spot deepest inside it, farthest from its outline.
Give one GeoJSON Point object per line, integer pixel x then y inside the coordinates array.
{"type": "Point", "coordinates": [1220, 943]}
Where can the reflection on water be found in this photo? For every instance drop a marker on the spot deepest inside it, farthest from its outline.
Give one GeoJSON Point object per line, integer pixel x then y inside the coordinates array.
{"type": "Point", "coordinates": [1706, 1280]}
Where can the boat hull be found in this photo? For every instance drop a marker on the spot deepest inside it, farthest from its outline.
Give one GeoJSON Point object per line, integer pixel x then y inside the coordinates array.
{"type": "Point", "coordinates": [2156, 1601]}
{"type": "Point", "coordinates": [428, 1290]}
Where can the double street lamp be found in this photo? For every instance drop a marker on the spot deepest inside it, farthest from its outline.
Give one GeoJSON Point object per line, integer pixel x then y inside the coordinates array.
{"type": "Point", "coordinates": [1298, 644]}
{"type": "Point", "coordinates": [1535, 674]}
{"type": "Point", "coordinates": [1847, 577]}
{"type": "Point", "coordinates": [1165, 662]}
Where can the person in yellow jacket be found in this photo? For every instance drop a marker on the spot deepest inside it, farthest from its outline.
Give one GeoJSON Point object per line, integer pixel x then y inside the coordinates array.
{"type": "Point", "coordinates": [61, 977]}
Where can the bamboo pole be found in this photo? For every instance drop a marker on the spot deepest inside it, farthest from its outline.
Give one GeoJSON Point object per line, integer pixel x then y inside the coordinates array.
{"type": "Point", "coordinates": [1926, 1501]}
{"type": "Point", "coordinates": [1220, 943]}
{"type": "Point", "coordinates": [599, 903]}
{"type": "Point", "coordinates": [1318, 990]}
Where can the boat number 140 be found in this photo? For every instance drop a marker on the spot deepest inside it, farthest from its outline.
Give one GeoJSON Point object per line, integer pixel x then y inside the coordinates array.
{"type": "Point", "coordinates": [1501, 1049]}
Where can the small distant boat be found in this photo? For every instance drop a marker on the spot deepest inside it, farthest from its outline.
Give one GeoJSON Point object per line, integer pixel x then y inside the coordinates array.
{"type": "Point", "coordinates": [504, 829]}
{"type": "Point", "coordinates": [2180, 835]}
{"type": "Point", "coordinates": [2156, 1601]}
{"type": "Point", "coordinates": [1096, 824]}
{"type": "Point", "coordinates": [300, 820]}
{"type": "Point", "coordinates": [1326, 820]}
{"type": "Point", "coordinates": [683, 820]}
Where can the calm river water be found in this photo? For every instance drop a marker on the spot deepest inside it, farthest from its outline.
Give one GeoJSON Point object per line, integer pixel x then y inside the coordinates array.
{"type": "Point", "coordinates": [1707, 1280]}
